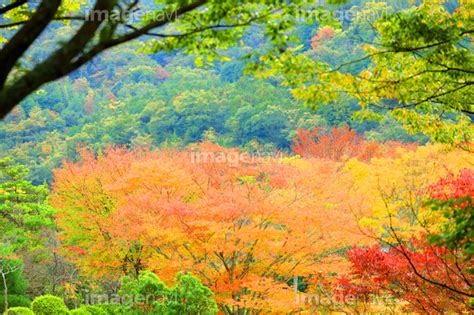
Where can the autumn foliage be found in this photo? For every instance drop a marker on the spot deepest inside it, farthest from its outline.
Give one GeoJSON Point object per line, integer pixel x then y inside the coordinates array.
{"type": "Point", "coordinates": [428, 278]}
{"type": "Point", "coordinates": [246, 225]}
{"type": "Point", "coordinates": [431, 272]}
{"type": "Point", "coordinates": [340, 143]}
{"type": "Point", "coordinates": [452, 198]}
{"type": "Point", "coordinates": [245, 231]}
{"type": "Point", "coordinates": [454, 186]}
{"type": "Point", "coordinates": [324, 35]}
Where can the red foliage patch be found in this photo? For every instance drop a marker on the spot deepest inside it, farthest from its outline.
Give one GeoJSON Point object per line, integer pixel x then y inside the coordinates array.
{"type": "Point", "coordinates": [430, 278]}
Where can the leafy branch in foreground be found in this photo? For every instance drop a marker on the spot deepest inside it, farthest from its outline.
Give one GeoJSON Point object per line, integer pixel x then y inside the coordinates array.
{"type": "Point", "coordinates": [418, 67]}
{"type": "Point", "coordinates": [199, 26]}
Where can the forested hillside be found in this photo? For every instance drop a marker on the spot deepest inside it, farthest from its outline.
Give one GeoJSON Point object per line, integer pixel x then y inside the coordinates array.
{"type": "Point", "coordinates": [130, 98]}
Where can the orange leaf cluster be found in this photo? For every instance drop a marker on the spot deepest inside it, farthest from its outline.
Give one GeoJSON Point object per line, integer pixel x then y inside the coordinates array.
{"type": "Point", "coordinates": [325, 34]}
{"type": "Point", "coordinates": [341, 143]}
{"type": "Point", "coordinates": [246, 230]}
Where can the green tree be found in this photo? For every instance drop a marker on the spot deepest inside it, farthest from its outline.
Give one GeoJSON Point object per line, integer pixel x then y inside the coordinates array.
{"type": "Point", "coordinates": [49, 304]}
{"type": "Point", "coordinates": [12, 282]}
{"type": "Point", "coordinates": [417, 65]}
{"type": "Point", "coordinates": [149, 295]}
{"type": "Point", "coordinates": [24, 217]}
{"type": "Point", "coordinates": [24, 210]}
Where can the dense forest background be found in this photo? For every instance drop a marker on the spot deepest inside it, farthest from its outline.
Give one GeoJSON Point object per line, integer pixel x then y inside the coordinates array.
{"type": "Point", "coordinates": [129, 98]}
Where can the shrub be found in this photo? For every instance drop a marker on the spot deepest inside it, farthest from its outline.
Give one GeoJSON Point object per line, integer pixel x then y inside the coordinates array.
{"type": "Point", "coordinates": [80, 311]}
{"type": "Point", "coordinates": [19, 311]}
{"type": "Point", "coordinates": [48, 305]}
{"type": "Point", "coordinates": [15, 300]}
{"type": "Point", "coordinates": [188, 296]}
{"type": "Point", "coordinates": [112, 309]}
{"type": "Point", "coordinates": [89, 310]}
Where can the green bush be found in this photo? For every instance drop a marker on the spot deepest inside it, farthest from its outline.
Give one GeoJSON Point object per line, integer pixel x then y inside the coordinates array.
{"type": "Point", "coordinates": [19, 311]}
{"type": "Point", "coordinates": [188, 296]}
{"type": "Point", "coordinates": [80, 311]}
{"type": "Point", "coordinates": [89, 310]}
{"type": "Point", "coordinates": [14, 301]}
{"type": "Point", "coordinates": [49, 305]}
{"type": "Point", "coordinates": [112, 309]}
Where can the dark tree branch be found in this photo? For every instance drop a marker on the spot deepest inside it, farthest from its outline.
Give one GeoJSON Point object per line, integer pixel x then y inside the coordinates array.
{"type": "Point", "coordinates": [72, 56]}
{"type": "Point", "coordinates": [401, 250]}
{"type": "Point", "coordinates": [12, 6]}
{"type": "Point", "coordinates": [22, 40]}
{"type": "Point", "coordinates": [436, 95]}
{"type": "Point", "coordinates": [465, 111]}
{"type": "Point", "coordinates": [13, 24]}
{"type": "Point", "coordinates": [395, 49]}
{"type": "Point", "coordinates": [171, 16]}
{"type": "Point", "coordinates": [11, 219]}
{"type": "Point", "coordinates": [202, 29]}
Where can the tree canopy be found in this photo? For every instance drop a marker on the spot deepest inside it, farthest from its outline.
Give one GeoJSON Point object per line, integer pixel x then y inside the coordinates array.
{"type": "Point", "coordinates": [417, 64]}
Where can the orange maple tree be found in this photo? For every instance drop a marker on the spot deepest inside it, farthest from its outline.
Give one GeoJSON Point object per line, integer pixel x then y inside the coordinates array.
{"type": "Point", "coordinates": [341, 143]}
{"type": "Point", "coordinates": [325, 34]}
{"type": "Point", "coordinates": [245, 231]}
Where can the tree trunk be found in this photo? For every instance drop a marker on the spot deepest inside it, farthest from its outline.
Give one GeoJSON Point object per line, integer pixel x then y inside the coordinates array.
{"type": "Point", "coordinates": [5, 291]}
